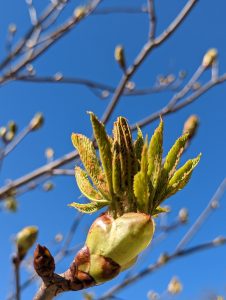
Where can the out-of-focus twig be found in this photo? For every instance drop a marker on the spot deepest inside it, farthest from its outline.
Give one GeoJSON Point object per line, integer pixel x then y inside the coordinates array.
{"type": "Point", "coordinates": [152, 19]}
{"type": "Point", "coordinates": [211, 206]}
{"type": "Point", "coordinates": [150, 269]}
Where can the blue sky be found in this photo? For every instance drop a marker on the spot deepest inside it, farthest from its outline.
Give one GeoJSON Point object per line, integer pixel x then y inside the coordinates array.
{"type": "Point", "coordinates": [88, 52]}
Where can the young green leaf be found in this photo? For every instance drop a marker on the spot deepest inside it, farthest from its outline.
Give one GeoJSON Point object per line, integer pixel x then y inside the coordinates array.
{"type": "Point", "coordinates": [88, 157]}
{"type": "Point", "coordinates": [104, 147]}
{"type": "Point", "coordinates": [138, 146]}
{"type": "Point", "coordinates": [155, 160]}
{"type": "Point", "coordinates": [140, 184]}
{"type": "Point", "coordinates": [116, 169]}
{"type": "Point", "coordinates": [88, 208]}
{"type": "Point", "coordinates": [181, 177]}
{"type": "Point", "coordinates": [86, 187]}
{"type": "Point", "coordinates": [173, 156]}
{"type": "Point", "coordinates": [159, 210]}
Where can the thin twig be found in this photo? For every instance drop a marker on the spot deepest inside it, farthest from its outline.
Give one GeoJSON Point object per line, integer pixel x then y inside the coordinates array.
{"type": "Point", "coordinates": [151, 268]}
{"type": "Point", "coordinates": [212, 205]}
{"type": "Point", "coordinates": [152, 19]}
{"type": "Point", "coordinates": [145, 51]}
{"type": "Point", "coordinates": [17, 140]}
{"type": "Point", "coordinates": [16, 264]}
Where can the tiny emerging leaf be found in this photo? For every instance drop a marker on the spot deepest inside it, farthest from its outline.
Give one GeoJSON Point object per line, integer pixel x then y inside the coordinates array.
{"type": "Point", "coordinates": [88, 208]}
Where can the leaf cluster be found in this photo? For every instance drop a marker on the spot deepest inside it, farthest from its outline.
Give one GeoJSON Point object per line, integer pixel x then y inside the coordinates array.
{"type": "Point", "coordinates": [129, 176]}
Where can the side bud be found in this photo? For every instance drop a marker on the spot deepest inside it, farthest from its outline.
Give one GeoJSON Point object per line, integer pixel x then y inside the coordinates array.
{"type": "Point", "coordinates": [210, 58]}
{"type": "Point", "coordinates": [191, 126]}
{"type": "Point", "coordinates": [25, 240]}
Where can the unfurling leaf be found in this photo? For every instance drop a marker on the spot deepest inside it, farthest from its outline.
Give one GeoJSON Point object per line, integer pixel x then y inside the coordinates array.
{"type": "Point", "coordinates": [140, 184]}
{"type": "Point", "coordinates": [138, 146]}
{"type": "Point", "coordinates": [174, 155]}
{"type": "Point", "coordinates": [88, 157]}
{"type": "Point", "coordinates": [116, 169]}
{"type": "Point", "coordinates": [159, 210]}
{"type": "Point", "coordinates": [86, 187]}
{"type": "Point", "coordinates": [88, 208]}
{"type": "Point", "coordinates": [104, 147]}
{"type": "Point", "coordinates": [181, 177]}
{"type": "Point", "coordinates": [155, 159]}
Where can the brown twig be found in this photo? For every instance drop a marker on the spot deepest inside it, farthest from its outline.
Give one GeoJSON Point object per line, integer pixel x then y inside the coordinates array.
{"type": "Point", "coordinates": [16, 263]}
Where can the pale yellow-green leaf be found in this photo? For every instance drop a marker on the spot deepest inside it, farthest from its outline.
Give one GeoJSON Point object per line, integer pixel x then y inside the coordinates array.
{"type": "Point", "coordinates": [155, 159]}
{"type": "Point", "coordinates": [140, 184]}
{"type": "Point", "coordinates": [181, 177]}
{"type": "Point", "coordinates": [104, 147]}
{"type": "Point", "coordinates": [116, 169]}
{"type": "Point", "coordinates": [89, 159]}
{"type": "Point", "coordinates": [88, 208]}
{"type": "Point", "coordinates": [173, 156]}
{"type": "Point", "coordinates": [169, 167]}
{"type": "Point", "coordinates": [159, 210]}
{"type": "Point", "coordinates": [86, 187]}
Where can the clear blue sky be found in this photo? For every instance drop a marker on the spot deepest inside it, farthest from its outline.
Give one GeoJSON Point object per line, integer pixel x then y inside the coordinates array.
{"type": "Point", "coordinates": [87, 52]}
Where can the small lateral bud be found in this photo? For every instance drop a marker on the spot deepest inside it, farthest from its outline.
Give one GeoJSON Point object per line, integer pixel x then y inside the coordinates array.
{"type": "Point", "coordinates": [58, 76]}
{"type": "Point", "coordinates": [48, 186]}
{"type": "Point", "coordinates": [3, 131]}
{"type": "Point", "coordinates": [183, 215]}
{"type": "Point", "coordinates": [9, 136]}
{"type": "Point", "coordinates": [80, 12]}
{"type": "Point", "coordinates": [214, 204]}
{"type": "Point", "coordinates": [37, 121]}
{"type": "Point", "coordinates": [25, 240]}
{"type": "Point", "coordinates": [174, 286]}
{"type": "Point", "coordinates": [210, 58]}
{"type": "Point", "coordinates": [220, 240]}
{"type": "Point", "coordinates": [12, 28]}
{"type": "Point", "coordinates": [88, 296]}
{"type": "Point", "coordinates": [191, 126]}
{"type": "Point", "coordinates": [120, 57]}
{"type": "Point", "coordinates": [44, 263]}
{"type": "Point", "coordinates": [11, 204]}
{"type": "Point", "coordinates": [49, 153]}
{"type": "Point", "coordinates": [152, 295]}
{"type": "Point", "coordinates": [163, 258]}
{"type": "Point", "coordinates": [12, 126]}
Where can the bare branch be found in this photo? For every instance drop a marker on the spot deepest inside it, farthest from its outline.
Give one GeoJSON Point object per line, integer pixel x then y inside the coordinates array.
{"type": "Point", "coordinates": [152, 19]}
{"type": "Point", "coordinates": [211, 206]}
{"type": "Point", "coordinates": [150, 269]}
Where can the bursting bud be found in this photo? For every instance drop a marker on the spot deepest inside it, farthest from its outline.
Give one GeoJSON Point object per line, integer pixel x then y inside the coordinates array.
{"type": "Point", "coordinates": [25, 240]}
{"type": "Point", "coordinates": [120, 57]}
{"type": "Point", "coordinates": [80, 12]}
{"type": "Point", "coordinates": [114, 244]}
{"type": "Point", "coordinates": [209, 58]}
{"type": "Point", "coordinates": [191, 126]}
{"type": "Point", "coordinates": [37, 121]}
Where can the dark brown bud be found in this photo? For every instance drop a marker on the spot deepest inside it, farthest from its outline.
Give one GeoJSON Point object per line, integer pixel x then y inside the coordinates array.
{"type": "Point", "coordinates": [43, 262]}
